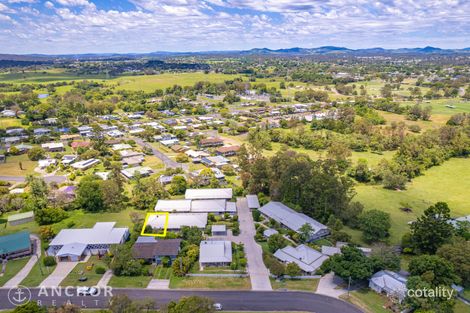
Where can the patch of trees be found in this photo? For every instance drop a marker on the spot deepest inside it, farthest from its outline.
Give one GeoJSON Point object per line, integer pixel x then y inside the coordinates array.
{"type": "Point", "coordinates": [316, 188]}
{"type": "Point", "coordinates": [311, 95]}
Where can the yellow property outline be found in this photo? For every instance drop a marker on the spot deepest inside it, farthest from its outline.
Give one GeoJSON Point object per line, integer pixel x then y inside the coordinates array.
{"type": "Point", "coordinates": [165, 225]}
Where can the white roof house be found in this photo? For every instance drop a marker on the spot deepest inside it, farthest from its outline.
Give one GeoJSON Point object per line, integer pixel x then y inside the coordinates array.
{"type": "Point", "coordinates": [46, 162]}
{"type": "Point", "coordinates": [293, 219]}
{"type": "Point", "coordinates": [308, 259]}
{"type": "Point", "coordinates": [215, 252]}
{"type": "Point", "coordinates": [178, 220]}
{"type": "Point", "coordinates": [131, 172]}
{"type": "Point", "coordinates": [74, 242]}
{"type": "Point", "coordinates": [85, 164]}
{"type": "Point", "coordinates": [121, 146]}
{"type": "Point", "coordinates": [100, 233]}
{"type": "Point", "coordinates": [206, 194]}
{"type": "Point", "coordinates": [173, 206]}
{"type": "Point", "coordinates": [253, 202]}
{"type": "Point", "coordinates": [390, 283]}
{"type": "Point", "coordinates": [52, 146]}
{"type": "Point", "coordinates": [196, 206]}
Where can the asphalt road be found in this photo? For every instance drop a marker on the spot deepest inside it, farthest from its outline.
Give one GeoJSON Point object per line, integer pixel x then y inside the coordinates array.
{"type": "Point", "coordinates": [47, 179]}
{"type": "Point", "coordinates": [231, 300]}
{"type": "Point", "coordinates": [165, 159]}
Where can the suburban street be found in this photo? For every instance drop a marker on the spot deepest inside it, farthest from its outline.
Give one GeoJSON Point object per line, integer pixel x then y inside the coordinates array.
{"type": "Point", "coordinates": [165, 159]}
{"type": "Point", "coordinates": [231, 300]}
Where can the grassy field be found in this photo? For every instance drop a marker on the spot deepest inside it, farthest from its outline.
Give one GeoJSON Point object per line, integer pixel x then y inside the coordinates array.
{"type": "Point", "coordinates": [448, 182]}
{"type": "Point", "coordinates": [50, 75]}
{"type": "Point", "coordinates": [12, 267]}
{"type": "Point", "coordinates": [368, 300]}
{"type": "Point", "coordinates": [38, 273]}
{"type": "Point", "coordinates": [9, 123]}
{"type": "Point", "coordinates": [12, 166]}
{"type": "Point", "coordinates": [219, 283]}
{"type": "Point", "coordinates": [151, 82]}
{"type": "Point", "coordinates": [299, 284]}
{"type": "Point", "coordinates": [373, 159]}
{"type": "Point", "coordinates": [87, 270]}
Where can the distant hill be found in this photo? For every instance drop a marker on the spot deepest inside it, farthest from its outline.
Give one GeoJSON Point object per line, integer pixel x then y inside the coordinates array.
{"type": "Point", "coordinates": [296, 51]}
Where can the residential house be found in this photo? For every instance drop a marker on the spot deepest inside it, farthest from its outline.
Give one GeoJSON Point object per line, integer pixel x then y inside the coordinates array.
{"type": "Point", "coordinates": [68, 159]}
{"type": "Point", "coordinates": [178, 220]}
{"type": "Point", "coordinates": [217, 161]}
{"type": "Point", "coordinates": [80, 144]}
{"type": "Point", "coordinates": [75, 244]}
{"type": "Point", "coordinates": [215, 253]}
{"type": "Point", "coordinates": [206, 194]}
{"type": "Point", "coordinates": [85, 164]}
{"type": "Point", "coordinates": [42, 164]}
{"type": "Point", "coordinates": [211, 142]}
{"type": "Point", "coordinates": [154, 250]}
{"type": "Point", "coordinates": [15, 245]}
{"type": "Point", "coordinates": [41, 132]}
{"type": "Point", "coordinates": [293, 220]}
{"type": "Point", "coordinates": [227, 150]}
{"type": "Point", "coordinates": [390, 283]}
{"type": "Point", "coordinates": [132, 171]}
{"type": "Point", "coordinates": [53, 146]}
{"type": "Point", "coordinates": [269, 232]}
{"type": "Point", "coordinates": [308, 259]}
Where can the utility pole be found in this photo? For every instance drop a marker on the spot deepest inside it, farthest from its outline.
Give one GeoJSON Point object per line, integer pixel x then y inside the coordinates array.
{"type": "Point", "coordinates": [349, 284]}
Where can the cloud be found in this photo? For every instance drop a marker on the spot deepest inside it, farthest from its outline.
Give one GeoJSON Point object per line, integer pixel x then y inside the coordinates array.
{"type": "Point", "coordinates": [182, 25]}
{"type": "Point", "coordinates": [75, 3]}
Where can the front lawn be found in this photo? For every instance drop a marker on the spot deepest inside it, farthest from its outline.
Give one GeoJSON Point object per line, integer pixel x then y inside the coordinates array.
{"type": "Point", "coordinates": [85, 270]}
{"type": "Point", "coordinates": [296, 284]}
{"type": "Point", "coordinates": [12, 268]}
{"type": "Point", "coordinates": [129, 281]}
{"type": "Point", "coordinates": [218, 283]}
{"type": "Point", "coordinates": [162, 272]}
{"type": "Point", "coordinates": [368, 300]}
{"type": "Point", "coordinates": [38, 273]}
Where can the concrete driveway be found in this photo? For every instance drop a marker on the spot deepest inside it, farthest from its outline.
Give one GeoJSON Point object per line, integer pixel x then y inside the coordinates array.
{"type": "Point", "coordinates": [259, 274]}
{"type": "Point", "coordinates": [57, 276]}
{"type": "Point", "coordinates": [329, 286]}
{"type": "Point", "coordinates": [21, 275]}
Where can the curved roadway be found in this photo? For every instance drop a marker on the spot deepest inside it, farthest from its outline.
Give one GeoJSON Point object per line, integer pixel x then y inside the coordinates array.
{"type": "Point", "coordinates": [231, 300]}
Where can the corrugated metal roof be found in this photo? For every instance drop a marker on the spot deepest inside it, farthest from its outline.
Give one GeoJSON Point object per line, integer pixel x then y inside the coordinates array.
{"type": "Point", "coordinates": [201, 194]}
{"type": "Point", "coordinates": [213, 251]}
{"type": "Point", "coordinates": [14, 242]}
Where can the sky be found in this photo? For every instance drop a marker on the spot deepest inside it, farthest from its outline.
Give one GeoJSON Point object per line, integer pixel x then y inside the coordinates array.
{"type": "Point", "coordinates": [123, 26]}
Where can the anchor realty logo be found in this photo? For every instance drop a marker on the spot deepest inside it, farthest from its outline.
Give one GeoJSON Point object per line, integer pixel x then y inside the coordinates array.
{"type": "Point", "coordinates": [19, 295]}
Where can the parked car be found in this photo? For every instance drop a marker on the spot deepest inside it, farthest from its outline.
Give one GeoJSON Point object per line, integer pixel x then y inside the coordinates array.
{"type": "Point", "coordinates": [87, 291]}
{"type": "Point", "coordinates": [217, 306]}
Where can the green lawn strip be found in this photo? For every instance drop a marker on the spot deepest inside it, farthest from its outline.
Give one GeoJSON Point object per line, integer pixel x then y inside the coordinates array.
{"type": "Point", "coordinates": [12, 268]}
{"type": "Point", "coordinates": [219, 283]}
{"type": "Point", "coordinates": [85, 270]}
{"type": "Point", "coordinates": [422, 192]}
{"type": "Point", "coordinates": [461, 307]}
{"type": "Point", "coordinates": [79, 218]}
{"type": "Point", "coordinates": [38, 273]}
{"type": "Point", "coordinates": [368, 300]}
{"type": "Point", "coordinates": [296, 284]}
{"type": "Point", "coordinates": [129, 281]}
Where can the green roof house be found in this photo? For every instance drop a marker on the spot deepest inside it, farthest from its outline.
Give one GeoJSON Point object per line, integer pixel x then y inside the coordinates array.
{"type": "Point", "coordinates": [15, 245]}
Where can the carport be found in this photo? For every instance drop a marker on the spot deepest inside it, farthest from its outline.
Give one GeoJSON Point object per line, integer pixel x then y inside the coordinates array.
{"type": "Point", "coordinates": [71, 252]}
